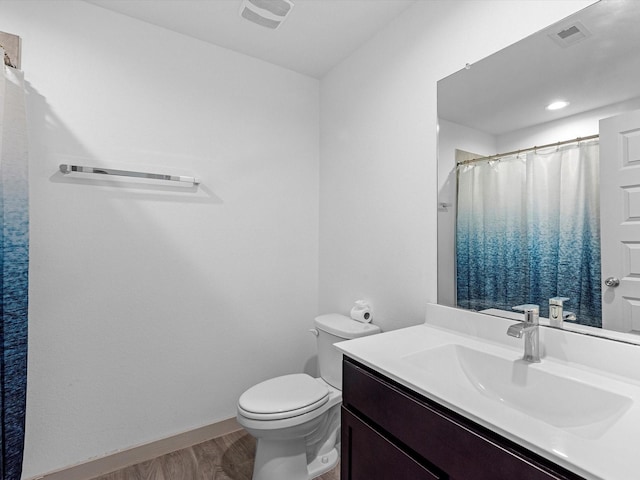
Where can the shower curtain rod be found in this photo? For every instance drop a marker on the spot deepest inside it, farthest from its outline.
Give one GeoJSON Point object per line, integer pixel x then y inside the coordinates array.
{"type": "Point", "coordinates": [516, 152]}
{"type": "Point", "coordinates": [65, 168]}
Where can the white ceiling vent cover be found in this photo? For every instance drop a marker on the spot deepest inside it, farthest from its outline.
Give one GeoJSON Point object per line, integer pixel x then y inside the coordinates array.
{"type": "Point", "coordinates": [266, 13]}
{"type": "Point", "coordinates": [571, 34]}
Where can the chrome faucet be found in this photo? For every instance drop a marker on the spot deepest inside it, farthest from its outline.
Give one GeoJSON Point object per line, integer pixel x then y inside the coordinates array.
{"type": "Point", "coordinates": [557, 315]}
{"type": "Point", "coordinates": [528, 329]}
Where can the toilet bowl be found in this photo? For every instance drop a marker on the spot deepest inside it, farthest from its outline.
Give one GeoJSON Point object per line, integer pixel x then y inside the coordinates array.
{"type": "Point", "coordinates": [296, 418]}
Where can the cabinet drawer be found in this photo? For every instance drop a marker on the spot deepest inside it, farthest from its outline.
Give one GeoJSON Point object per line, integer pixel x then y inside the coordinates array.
{"type": "Point", "coordinates": [459, 447]}
{"type": "Point", "coordinates": [370, 456]}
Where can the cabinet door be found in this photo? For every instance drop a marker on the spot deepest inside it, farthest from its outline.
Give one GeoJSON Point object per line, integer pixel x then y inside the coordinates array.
{"type": "Point", "coordinates": [366, 455]}
{"type": "Point", "coordinates": [449, 442]}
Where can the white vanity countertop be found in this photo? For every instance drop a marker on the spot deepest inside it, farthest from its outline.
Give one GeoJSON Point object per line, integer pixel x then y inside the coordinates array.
{"type": "Point", "coordinates": [605, 450]}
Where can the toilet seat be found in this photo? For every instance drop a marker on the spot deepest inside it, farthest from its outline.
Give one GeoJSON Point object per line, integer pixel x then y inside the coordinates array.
{"type": "Point", "coordinates": [283, 397]}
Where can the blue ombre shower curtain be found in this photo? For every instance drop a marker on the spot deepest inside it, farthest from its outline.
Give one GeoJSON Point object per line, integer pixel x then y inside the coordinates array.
{"type": "Point", "coordinates": [14, 262]}
{"type": "Point", "coordinates": [528, 229]}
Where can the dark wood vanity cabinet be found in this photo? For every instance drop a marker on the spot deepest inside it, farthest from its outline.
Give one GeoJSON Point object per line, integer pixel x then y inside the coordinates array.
{"type": "Point", "coordinates": [392, 433]}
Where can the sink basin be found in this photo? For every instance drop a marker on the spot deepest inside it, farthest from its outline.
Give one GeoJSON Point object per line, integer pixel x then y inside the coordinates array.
{"type": "Point", "coordinates": [582, 408]}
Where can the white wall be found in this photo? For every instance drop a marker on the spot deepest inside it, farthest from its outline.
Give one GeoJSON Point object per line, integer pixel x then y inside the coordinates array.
{"type": "Point", "coordinates": [580, 125]}
{"type": "Point", "coordinates": [152, 308]}
{"type": "Point", "coordinates": [378, 175]}
{"type": "Point", "coordinates": [452, 137]}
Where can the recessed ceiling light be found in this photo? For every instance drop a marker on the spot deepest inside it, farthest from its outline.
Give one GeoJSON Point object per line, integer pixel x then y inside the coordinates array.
{"type": "Point", "coordinates": [557, 105]}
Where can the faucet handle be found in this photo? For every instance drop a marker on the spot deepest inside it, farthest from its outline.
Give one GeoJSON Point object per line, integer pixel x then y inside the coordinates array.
{"type": "Point", "coordinates": [531, 312]}
{"type": "Point", "coordinates": [558, 300]}
{"type": "Point", "coordinates": [527, 307]}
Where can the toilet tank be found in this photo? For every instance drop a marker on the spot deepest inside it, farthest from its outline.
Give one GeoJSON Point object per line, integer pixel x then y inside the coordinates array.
{"type": "Point", "coordinates": [334, 328]}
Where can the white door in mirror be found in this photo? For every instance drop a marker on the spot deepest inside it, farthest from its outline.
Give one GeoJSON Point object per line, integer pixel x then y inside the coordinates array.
{"type": "Point", "coordinates": [620, 221]}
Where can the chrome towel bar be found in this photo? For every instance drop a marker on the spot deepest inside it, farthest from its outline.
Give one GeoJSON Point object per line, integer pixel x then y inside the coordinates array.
{"type": "Point", "coordinates": [66, 168]}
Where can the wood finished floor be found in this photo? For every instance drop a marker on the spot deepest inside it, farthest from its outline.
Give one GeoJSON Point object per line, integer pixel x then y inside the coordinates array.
{"type": "Point", "coordinates": [225, 458]}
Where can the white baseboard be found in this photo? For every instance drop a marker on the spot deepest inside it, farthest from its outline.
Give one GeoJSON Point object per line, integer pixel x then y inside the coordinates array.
{"type": "Point", "coordinates": [141, 453]}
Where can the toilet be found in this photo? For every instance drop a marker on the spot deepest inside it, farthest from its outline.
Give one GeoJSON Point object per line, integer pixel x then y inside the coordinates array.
{"type": "Point", "coordinates": [296, 418]}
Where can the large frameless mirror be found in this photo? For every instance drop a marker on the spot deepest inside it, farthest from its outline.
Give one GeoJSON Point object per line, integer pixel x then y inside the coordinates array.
{"type": "Point", "coordinates": [540, 201]}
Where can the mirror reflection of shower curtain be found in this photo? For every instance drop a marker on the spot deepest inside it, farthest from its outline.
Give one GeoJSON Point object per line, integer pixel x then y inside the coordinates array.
{"type": "Point", "coordinates": [528, 229]}
{"type": "Point", "coordinates": [14, 267]}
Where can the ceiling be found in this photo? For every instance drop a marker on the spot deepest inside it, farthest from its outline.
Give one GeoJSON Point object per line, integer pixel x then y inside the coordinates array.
{"type": "Point", "coordinates": [316, 36]}
{"type": "Point", "coordinates": [509, 90]}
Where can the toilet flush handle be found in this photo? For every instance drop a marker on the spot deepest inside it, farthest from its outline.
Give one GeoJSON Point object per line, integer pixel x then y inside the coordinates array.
{"type": "Point", "coordinates": [314, 331]}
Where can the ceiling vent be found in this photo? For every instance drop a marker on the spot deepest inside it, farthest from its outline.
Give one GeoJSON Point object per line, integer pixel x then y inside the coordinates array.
{"type": "Point", "coordinates": [569, 35]}
{"type": "Point", "coordinates": [266, 13]}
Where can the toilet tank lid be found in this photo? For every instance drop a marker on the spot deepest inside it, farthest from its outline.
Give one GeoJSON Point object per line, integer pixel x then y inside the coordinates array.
{"type": "Point", "coordinates": [344, 327]}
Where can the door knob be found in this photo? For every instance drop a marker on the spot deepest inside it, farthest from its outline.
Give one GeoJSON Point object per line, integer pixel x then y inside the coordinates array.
{"type": "Point", "coordinates": [612, 282]}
